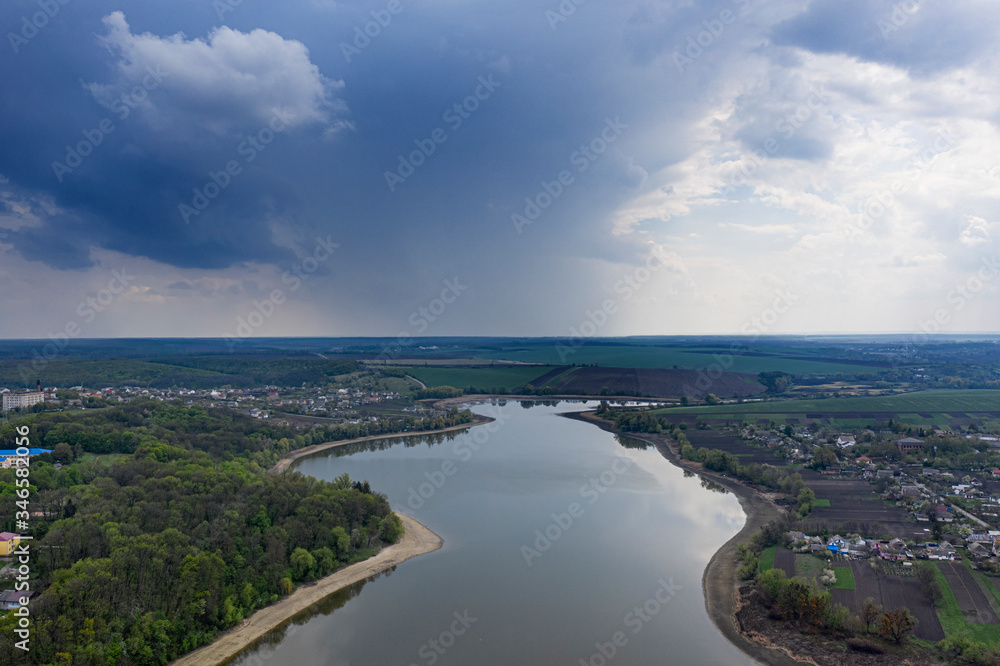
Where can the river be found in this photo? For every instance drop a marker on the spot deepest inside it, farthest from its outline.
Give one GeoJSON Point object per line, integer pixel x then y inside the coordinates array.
{"type": "Point", "coordinates": [563, 544]}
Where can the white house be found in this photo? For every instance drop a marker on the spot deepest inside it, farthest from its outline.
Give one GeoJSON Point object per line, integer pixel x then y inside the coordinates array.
{"type": "Point", "coordinates": [845, 441]}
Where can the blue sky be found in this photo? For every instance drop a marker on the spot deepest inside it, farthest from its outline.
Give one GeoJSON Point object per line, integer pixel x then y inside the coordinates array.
{"type": "Point", "coordinates": [512, 167]}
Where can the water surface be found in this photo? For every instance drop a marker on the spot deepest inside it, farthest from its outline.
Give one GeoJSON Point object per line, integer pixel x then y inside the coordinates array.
{"type": "Point", "coordinates": [563, 544]}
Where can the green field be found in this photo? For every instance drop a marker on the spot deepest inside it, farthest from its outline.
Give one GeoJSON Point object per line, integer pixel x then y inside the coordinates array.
{"type": "Point", "coordinates": [831, 418]}
{"type": "Point", "coordinates": [953, 622]}
{"type": "Point", "coordinates": [628, 356]}
{"type": "Point", "coordinates": [845, 578]}
{"type": "Point", "coordinates": [934, 401]}
{"type": "Point", "coordinates": [766, 562]}
{"type": "Point", "coordinates": [809, 566]}
{"type": "Point", "coordinates": [483, 378]}
{"type": "Point", "coordinates": [821, 502]}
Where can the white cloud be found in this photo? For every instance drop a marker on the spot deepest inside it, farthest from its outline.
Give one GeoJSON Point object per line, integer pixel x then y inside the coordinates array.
{"type": "Point", "coordinates": [762, 228]}
{"type": "Point", "coordinates": [935, 134]}
{"type": "Point", "coordinates": [230, 80]}
{"type": "Point", "coordinates": [977, 231]}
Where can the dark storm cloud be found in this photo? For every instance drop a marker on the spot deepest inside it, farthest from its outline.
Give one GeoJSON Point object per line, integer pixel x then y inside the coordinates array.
{"type": "Point", "coordinates": [922, 35]}
{"type": "Point", "coordinates": [120, 129]}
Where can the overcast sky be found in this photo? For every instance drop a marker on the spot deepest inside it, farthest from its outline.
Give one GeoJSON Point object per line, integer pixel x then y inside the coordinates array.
{"type": "Point", "coordinates": [656, 167]}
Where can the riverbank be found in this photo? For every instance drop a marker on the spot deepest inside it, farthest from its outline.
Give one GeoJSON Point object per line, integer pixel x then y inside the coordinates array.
{"type": "Point", "coordinates": [292, 456]}
{"type": "Point", "coordinates": [448, 403]}
{"type": "Point", "coordinates": [416, 540]}
{"type": "Point", "coordinates": [719, 582]}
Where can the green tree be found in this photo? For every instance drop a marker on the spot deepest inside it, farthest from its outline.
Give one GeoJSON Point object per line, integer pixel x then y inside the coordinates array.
{"type": "Point", "coordinates": [248, 597]}
{"type": "Point", "coordinates": [326, 561]}
{"type": "Point", "coordinates": [870, 612]}
{"type": "Point", "coordinates": [896, 624]}
{"type": "Point", "coordinates": [824, 456]}
{"type": "Point", "coordinates": [303, 564]}
{"type": "Point", "coordinates": [62, 453]}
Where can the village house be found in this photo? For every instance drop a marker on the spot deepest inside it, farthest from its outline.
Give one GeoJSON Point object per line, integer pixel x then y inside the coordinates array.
{"type": "Point", "coordinates": [987, 537]}
{"type": "Point", "coordinates": [894, 551]}
{"type": "Point", "coordinates": [978, 551]}
{"type": "Point", "coordinates": [909, 444]}
{"type": "Point", "coordinates": [845, 441]}
{"type": "Point", "coordinates": [942, 514]}
{"type": "Point", "coordinates": [857, 549]}
{"type": "Point", "coordinates": [11, 599]}
{"type": "Point", "coordinates": [8, 542]}
{"type": "Point", "coordinates": [943, 551]}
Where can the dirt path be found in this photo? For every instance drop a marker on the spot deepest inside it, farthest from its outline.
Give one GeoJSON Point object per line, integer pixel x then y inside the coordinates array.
{"type": "Point", "coordinates": [416, 540]}
{"type": "Point", "coordinates": [289, 458]}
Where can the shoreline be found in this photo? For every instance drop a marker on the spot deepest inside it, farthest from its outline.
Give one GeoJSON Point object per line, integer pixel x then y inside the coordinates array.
{"type": "Point", "coordinates": [286, 460]}
{"type": "Point", "coordinates": [417, 540]}
{"type": "Point", "coordinates": [444, 403]}
{"type": "Point", "coordinates": [719, 583]}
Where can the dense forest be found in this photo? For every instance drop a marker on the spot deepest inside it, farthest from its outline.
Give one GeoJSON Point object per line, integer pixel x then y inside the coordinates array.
{"type": "Point", "coordinates": [175, 530]}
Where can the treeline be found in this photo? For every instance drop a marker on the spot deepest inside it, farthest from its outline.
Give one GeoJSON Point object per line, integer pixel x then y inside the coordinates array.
{"type": "Point", "coordinates": [723, 462]}
{"type": "Point", "coordinates": [187, 372]}
{"type": "Point", "coordinates": [452, 392]}
{"type": "Point", "coordinates": [634, 420]}
{"type": "Point", "coordinates": [220, 432]}
{"type": "Point", "coordinates": [776, 382]}
{"type": "Point", "coordinates": [439, 392]}
{"type": "Point", "coordinates": [143, 559]}
{"type": "Point", "coordinates": [766, 476]}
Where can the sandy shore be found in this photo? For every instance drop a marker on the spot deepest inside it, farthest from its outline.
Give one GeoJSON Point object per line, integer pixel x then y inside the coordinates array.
{"type": "Point", "coordinates": [719, 581]}
{"type": "Point", "coordinates": [289, 458]}
{"type": "Point", "coordinates": [416, 540]}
